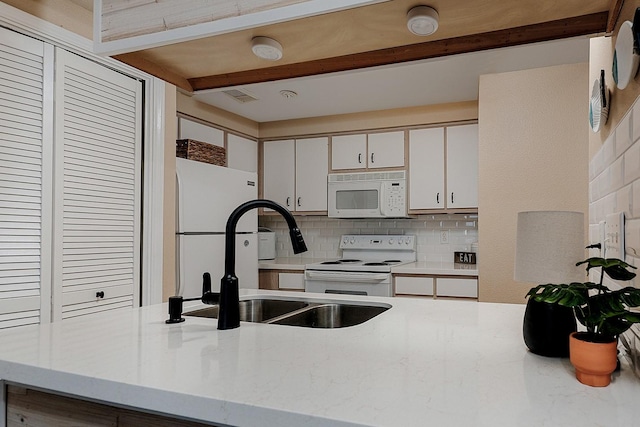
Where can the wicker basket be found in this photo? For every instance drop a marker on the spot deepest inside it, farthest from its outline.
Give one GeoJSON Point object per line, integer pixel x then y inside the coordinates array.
{"type": "Point", "coordinates": [201, 152]}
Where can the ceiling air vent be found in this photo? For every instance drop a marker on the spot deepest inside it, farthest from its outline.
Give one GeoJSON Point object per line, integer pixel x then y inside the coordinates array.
{"type": "Point", "coordinates": [239, 95]}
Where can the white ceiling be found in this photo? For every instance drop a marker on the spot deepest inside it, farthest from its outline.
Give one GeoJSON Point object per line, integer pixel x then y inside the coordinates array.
{"type": "Point", "coordinates": [438, 81]}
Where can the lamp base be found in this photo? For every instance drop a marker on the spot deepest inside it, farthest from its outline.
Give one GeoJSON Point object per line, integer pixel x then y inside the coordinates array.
{"type": "Point", "coordinates": [546, 328]}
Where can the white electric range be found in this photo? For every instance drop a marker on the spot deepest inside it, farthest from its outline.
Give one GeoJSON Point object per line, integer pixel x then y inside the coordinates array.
{"type": "Point", "coordinates": [365, 266]}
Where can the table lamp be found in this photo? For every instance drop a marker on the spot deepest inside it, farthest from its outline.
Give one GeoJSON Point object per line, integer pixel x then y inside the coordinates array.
{"type": "Point", "coordinates": [548, 246]}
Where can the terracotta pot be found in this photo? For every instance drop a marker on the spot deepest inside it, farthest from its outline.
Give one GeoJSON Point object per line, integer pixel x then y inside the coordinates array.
{"type": "Point", "coordinates": [594, 361]}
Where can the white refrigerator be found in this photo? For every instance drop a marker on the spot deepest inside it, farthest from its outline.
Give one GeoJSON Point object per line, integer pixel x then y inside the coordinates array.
{"type": "Point", "coordinates": [205, 196]}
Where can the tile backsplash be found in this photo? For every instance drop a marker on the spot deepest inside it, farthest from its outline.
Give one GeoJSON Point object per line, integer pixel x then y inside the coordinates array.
{"type": "Point", "coordinates": [322, 234]}
{"type": "Point", "coordinates": [614, 186]}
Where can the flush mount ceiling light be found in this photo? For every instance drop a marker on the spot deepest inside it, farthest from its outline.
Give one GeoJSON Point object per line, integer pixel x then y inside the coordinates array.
{"type": "Point", "coordinates": [288, 94]}
{"type": "Point", "coordinates": [422, 20]}
{"type": "Point", "coordinates": [266, 48]}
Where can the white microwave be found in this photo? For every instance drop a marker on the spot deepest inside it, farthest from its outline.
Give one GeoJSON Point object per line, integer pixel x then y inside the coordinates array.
{"type": "Point", "coordinates": [367, 195]}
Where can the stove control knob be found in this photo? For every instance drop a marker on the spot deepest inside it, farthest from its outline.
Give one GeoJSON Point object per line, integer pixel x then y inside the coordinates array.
{"type": "Point", "coordinates": [391, 241]}
{"type": "Point", "coordinates": [353, 240]}
{"type": "Point", "coordinates": [407, 241]}
{"type": "Point", "coordinates": [344, 241]}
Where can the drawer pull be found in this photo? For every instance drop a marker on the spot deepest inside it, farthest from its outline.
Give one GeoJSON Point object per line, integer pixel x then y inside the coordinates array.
{"type": "Point", "coordinates": [100, 294]}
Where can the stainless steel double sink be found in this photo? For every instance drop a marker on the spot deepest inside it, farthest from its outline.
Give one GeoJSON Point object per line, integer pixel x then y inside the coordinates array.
{"type": "Point", "coordinates": [306, 313]}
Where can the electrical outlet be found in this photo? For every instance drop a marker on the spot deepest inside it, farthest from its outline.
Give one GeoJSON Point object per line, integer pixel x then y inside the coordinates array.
{"type": "Point", "coordinates": [444, 236]}
{"type": "Point", "coordinates": [614, 242]}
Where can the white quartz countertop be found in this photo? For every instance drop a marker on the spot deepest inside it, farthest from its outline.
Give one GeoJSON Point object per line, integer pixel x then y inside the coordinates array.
{"type": "Point", "coordinates": [423, 268]}
{"type": "Point", "coordinates": [284, 263]}
{"type": "Point", "coordinates": [437, 269]}
{"type": "Point", "coordinates": [422, 362]}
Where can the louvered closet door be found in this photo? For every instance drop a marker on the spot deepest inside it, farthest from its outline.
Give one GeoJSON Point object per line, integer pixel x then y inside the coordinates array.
{"type": "Point", "coordinates": [26, 67]}
{"type": "Point", "coordinates": [97, 188]}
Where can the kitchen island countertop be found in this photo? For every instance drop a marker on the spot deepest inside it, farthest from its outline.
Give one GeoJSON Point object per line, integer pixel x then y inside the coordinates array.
{"type": "Point", "coordinates": [422, 362]}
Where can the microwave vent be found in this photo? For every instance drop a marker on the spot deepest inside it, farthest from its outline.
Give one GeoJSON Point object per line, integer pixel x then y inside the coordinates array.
{"type": "Point", "coordinates": [366, 176]}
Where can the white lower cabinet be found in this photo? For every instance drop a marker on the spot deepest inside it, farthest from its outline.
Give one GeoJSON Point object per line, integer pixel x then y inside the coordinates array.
{"type": "Point", "coordinates": [456, 287]}
{"type": "Point", "coordinates": [291, 281]}
{"type": "Point", "coordinates": [434, 286]}
{"type": "Point", "coordinates": [414, 286]}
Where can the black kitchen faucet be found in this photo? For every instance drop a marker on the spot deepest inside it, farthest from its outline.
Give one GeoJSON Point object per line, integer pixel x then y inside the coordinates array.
{"type": "Point", "coordinates": [228, 299]}
{"type": "Point", "coordinates": [229, 304]}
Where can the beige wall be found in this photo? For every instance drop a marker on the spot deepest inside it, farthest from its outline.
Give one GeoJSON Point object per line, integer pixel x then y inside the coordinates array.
{"type": "Point", "coordinates": [412, 116]}
{"type": "Point", "coordinates": [64, 13]}
{"type": "Point", "coordinates": [533, 155]}
{"type": "Point", "coordinates": [190, 107]}
{"type": "Point", "coordinates": [169, 211]}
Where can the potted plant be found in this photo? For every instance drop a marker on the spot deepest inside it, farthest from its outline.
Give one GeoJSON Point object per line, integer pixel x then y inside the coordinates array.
{"type": "Point", "coordinates": [602, 311]}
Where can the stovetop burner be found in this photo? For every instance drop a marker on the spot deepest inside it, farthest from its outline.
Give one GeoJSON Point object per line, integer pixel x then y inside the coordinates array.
{"type": "Point", "coordinates": [392, 261]}
{"type": "Point", "coordinates": [342, 261]}
{"type": "Point", "coordinates": [376, 263]}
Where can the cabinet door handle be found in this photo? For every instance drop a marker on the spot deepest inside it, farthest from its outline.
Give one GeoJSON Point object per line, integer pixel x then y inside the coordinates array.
{"type": "Point", "coordinates": [299, 203]}
{"type": "Point", "coordinates": [288, 200]}
{"type": "Point", "coordinates": [372, 157]}
{"type": "Point", "coordinates": [100, 294]}
{"type": "Point", "coordinates": [452, 197]}
{"type": "Point", "coordinates": [438, 198]}
{"type": "Point", "coordinates": [359, 157]}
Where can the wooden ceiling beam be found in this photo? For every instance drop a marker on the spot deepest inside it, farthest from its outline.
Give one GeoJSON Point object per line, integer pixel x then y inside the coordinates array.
{"type": "Point", "coordinates": [614, 13]}
{"type": "Point", "coordinates": [564, 28]}
{"type": "Point", "coordinates": [136, 60]}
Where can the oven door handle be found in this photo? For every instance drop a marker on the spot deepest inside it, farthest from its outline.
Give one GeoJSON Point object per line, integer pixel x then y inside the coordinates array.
{"type": "Point", "coordinates": [346, 277]}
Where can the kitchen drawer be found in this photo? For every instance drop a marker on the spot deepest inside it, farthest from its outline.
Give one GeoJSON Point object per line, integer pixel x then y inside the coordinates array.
{"type": "Point", "coordinates": [414, 285]}
{"type": "Point", "coordinates": [291, 281]}
{"type": "Point", "coordinates": [455, 287]}
{"type": "Point", "coordinates": [88, 301]}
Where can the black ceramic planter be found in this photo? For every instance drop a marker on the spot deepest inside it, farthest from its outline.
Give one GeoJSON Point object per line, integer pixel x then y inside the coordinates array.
{"type": "Point", "coordinates": [547, 327]}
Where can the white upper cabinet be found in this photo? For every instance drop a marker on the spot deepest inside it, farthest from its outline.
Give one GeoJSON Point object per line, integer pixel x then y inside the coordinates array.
{"type": "Point", "coordinates": [295, 173]}
{"type": "Point", "coordinates": [312, 167]}
{"type": "Point", "coordinates": [189, 129]}
{"type": "Point", "coordinates": [349, 152]}
{"type": "Point", "coordinates": [426, 169]}
{"type": "Point", "coordinates": [385, 150]}
{"type": "Point", "coordinates": [242, 153]}
{"type": "Point", "coordinates": [372, 151]}
{"type": "Point", "coordinates": [279, 172]}
{"type": "Point", "coordinates": [429, 186]}
{"type": "Point", "coordinates": [462, 166]}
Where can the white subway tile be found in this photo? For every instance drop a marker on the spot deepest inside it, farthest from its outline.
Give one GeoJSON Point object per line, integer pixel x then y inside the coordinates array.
{"type": "Point", "coordinates": [632, 163]}
{"type": "Point", "coordinates": [617, 174]}
{"type": "Point", "coordinates": [635, 120]}
{"type": "Point", "coordinates": [632, 238]}
{"type": "Point", "coordinates": [623, 135]}
{"type": "Point", "coordinates": [608, 150]}
{"type": "Point", "coordinates": [635, 199]}
{"type": "Point", "coordinates": [623, 200]}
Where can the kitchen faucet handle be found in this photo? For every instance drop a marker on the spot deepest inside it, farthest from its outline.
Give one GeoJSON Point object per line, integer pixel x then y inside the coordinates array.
{"type": "Point", "coordinates": [208, 297]}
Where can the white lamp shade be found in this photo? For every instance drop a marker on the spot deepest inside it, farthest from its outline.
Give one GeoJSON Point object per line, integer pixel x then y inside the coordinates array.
{"type": "Point", "coordinates": [549, 244]}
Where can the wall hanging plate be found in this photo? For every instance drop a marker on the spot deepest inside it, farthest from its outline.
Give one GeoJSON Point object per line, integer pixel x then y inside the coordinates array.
{"type": "Point", "coordinates": [599, 104]}
{"type": "Point", "coordinates": [625, 57]}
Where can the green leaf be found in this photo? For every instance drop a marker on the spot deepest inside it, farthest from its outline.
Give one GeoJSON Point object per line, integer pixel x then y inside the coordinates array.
{"type": "Point", "coordinates": [613, 267]}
